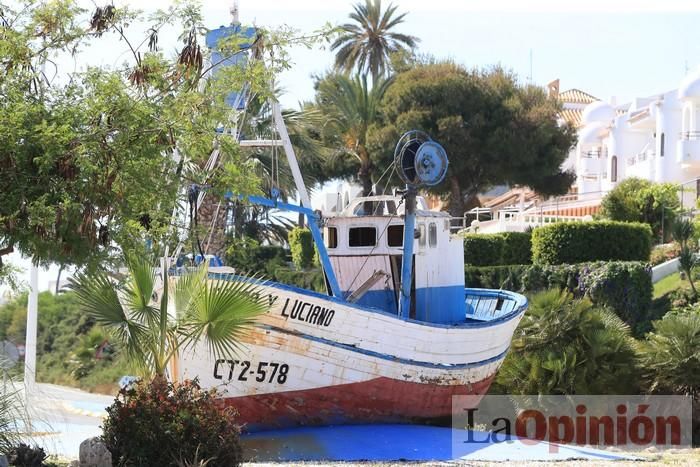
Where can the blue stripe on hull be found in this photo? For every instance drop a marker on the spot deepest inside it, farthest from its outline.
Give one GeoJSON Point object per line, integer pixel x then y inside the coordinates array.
{"type": "Point", "coordinates": [385, 300]}
{"type": "Point", "coordinates": [443, 305]}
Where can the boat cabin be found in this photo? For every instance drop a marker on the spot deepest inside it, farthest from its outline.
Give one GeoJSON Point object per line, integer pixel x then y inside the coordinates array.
{"type": "Point", "coordinates": [365, 247]}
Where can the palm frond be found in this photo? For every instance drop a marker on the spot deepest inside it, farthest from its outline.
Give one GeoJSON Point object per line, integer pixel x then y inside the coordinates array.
{"type": "Point", "coordinates": [137, 293]}
{"type": "Point", "coordinates": [221, 314]}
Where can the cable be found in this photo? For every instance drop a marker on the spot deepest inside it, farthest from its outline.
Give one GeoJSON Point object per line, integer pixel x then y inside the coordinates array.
{"type": "Point", "coordinates": [374, 247]}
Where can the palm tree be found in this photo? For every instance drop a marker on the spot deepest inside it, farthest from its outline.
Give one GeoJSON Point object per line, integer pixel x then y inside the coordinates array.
{"type": "Point", "coordinates": [350, 106]}
{"type": "Point", "coordinates": [564, 345]}
{"type": "Point", "coordinates": [368, 42]}
{"type": "Point", "coordinates": [670, 354]}
{"type": "Point", "coordinates": [215, 312]}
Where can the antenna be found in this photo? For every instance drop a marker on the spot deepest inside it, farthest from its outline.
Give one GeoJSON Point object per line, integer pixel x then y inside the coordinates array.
{"type": "Point", "coordinates": [234, 13]}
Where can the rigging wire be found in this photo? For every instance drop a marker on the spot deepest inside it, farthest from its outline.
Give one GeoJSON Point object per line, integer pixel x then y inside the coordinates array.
{"type": "Point", "coordinates": [374, 247]}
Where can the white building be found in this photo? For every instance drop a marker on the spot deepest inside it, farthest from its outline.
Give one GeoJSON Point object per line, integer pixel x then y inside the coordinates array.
{"type": "Point", "coordinates": [655, 138]}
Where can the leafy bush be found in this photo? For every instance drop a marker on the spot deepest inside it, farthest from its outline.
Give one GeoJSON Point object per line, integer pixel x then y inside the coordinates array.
{"type": "Point", "coordinates": [670, 356]}
{"type": "Point", "coordinates": [161, 423]}
{"type": "Point", "coordinates": [10, 411]}
{"type": "Point", "coordinates": [24, 455]}
{"type": "Point", "coordinates": [662, 253]}
{"type": "Point", "coordinates": [625, 287]}
{"type": "Point", "coordinates": [578, 242]}
{"type": "Point", "coordinates": [301, 245]}
{"type": "Point", "coordinates": [639, 200]}
{"type": "Point", "coordinates": [517, 248]}
{"type": "Point", "coordinates": [497, 249]}
{"type": "Point", "coordinates": [483, 249]}
{"type": "Point", "coordinates": [247, 255]}
{"type": "Point", "coordinates": [311, 279]}
{"type": "Point", "coordinates": [565, 345]}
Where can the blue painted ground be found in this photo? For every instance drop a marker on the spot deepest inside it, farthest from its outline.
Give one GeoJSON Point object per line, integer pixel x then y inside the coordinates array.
{"type": "Point", "coordinates": [401, 442]}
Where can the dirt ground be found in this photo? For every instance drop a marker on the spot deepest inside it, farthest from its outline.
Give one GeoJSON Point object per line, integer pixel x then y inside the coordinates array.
{"type": "Point", "coordinates": [680, 457]}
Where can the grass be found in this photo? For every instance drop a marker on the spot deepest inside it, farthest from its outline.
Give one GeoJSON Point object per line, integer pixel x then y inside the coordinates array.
{"type": "Point", "coordinates": [669, 284]}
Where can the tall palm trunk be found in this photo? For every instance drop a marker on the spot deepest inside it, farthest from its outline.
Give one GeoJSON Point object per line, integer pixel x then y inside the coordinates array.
{"type": "Point", "coordinates": [365, 172]}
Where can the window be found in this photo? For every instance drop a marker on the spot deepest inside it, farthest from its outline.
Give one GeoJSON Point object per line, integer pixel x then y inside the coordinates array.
{"type": "Point", "coordinates": [332, 237]}
{"type": "Point", "coordinates": [394, 235]}
{"type": "Point", "coordinates": [363, 236]}
{"type": "Point", "coordinates": [663, 143]}
{"type": "Point", "coordinates": [432, 234]}
{"type": "Point", "coordinates": [421, 232]}
{"type": "Point", "coordinates": [613, 169]}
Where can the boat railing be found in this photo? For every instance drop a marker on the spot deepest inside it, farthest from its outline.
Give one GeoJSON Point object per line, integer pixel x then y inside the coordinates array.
{"type": "Point", "coordinates": [488, 304]}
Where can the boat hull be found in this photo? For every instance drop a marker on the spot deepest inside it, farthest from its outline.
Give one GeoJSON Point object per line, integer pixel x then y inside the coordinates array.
{"type": "Point", "coordinates": [314, 360]}
{"type": "Point", "coordinates": [380, 400]}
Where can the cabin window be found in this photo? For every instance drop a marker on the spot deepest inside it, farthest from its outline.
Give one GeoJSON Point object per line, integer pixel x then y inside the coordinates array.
{"type": "Point", "coordinates": [421, 233]}
{"type": "Point", "coordinates": [363, 236]}
{"type": "Point", "coordinates": [332, 237]}
{"type": "Point", "coordinates": [663, 143]}
{"type": "Point", "coordinates": [432, 234]}
{"type": "Point", "coordinates": [394, 235]}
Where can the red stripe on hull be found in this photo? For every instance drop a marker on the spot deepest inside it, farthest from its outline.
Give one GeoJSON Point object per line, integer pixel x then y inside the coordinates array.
{"type": "Point", "coordinates": [380, 400]}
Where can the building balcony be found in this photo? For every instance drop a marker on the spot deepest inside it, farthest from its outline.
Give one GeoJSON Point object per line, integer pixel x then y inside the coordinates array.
{"type": "Point", "coordinates": [688, 149]}
{"type": "Point", "coordinates": [588, 165]}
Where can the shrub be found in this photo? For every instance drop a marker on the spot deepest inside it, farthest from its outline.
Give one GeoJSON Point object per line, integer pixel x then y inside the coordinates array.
{"type": "Point", "coordinates": [566, 345]}
{"type": "Point", "coordinates": [160, 423]}
{"type": "Point", "coordinates": [517, 248]}
{"type": "Point", "coordinates": [301, 245]}
{"type": "Point", "coordinates": [483, 249]}
{"type": "Point", "coordinates": [625, 287]}
{"type": "Point", "coordinates": [671, 359]}
{"type": "Point", "coordinates": [312, 279]}
{"type": "Point", "coordinates": [247, 255]}
{"type": "Point", "coordinates": [497, 249]}
{"type": "Point", "coordinates": [662, 253]}
{"type": "Point", "coordinates": [639, 200]}
{"type": "Point", "coordinates": [26, 456]}
{"type": "Point", "coordinates": [495, 277]}
{"type": "Point", "coordinates": [579, 242]}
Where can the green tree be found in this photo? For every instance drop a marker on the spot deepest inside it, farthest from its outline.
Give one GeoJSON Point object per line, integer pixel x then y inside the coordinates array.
{"type": "Point", "coordinates": [349, 106]}
{"type": "Point", "coordinates": [493, 129]}
{"type": "Point", "coordinates": [639, 200]}
{"type": "Point", "coordinates": [94, 159]}
{"type": "Point", "coordinates": [214, 312]}
{"type": "Point", "coordinates": [567, 346]}
{"type": "Point", "coordinates": [368, 42]}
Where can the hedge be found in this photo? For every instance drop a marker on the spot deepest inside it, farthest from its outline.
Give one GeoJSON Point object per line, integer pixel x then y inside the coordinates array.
{"type": "Point", "coordinates": [623, 286]}
{"type": "Point", "coordinates": [580, 242]}
{"type": "Point", "coordinates": [301, 244]}
{"type": "Point", "coordinates": [497, 249]}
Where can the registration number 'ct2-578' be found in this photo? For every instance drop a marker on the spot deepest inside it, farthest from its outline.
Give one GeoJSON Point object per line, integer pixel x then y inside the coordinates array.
{"type": "Point", "coordinates": [242, 369]}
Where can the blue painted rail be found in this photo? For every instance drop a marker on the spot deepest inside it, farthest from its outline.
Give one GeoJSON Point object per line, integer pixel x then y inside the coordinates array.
{"type": "Point", "coordinates": [490, 305]}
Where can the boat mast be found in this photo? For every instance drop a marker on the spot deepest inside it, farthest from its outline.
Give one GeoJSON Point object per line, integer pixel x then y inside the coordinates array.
{"type": "Point", "coordinates": [419, 162]}
{"type": "Point", "coordinates": [408, 240]}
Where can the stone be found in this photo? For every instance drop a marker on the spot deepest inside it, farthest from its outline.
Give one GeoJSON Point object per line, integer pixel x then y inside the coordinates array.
{"type": "Point", "coordinates": [94, 453]}
{"type": "Point", "coordinates": [3, 461]}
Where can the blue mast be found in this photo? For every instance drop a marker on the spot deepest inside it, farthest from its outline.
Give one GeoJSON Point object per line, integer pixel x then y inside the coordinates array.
{"type": "Point", "coordinates": [419, 161]}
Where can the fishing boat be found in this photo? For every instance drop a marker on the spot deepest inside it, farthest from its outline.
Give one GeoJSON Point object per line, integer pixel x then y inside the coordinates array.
{"type": "Point", "coordinates": [397, 335]}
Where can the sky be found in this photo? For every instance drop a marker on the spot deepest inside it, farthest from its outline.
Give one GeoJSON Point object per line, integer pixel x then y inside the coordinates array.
{"type": "Point", "coordinates": [617, 48]}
